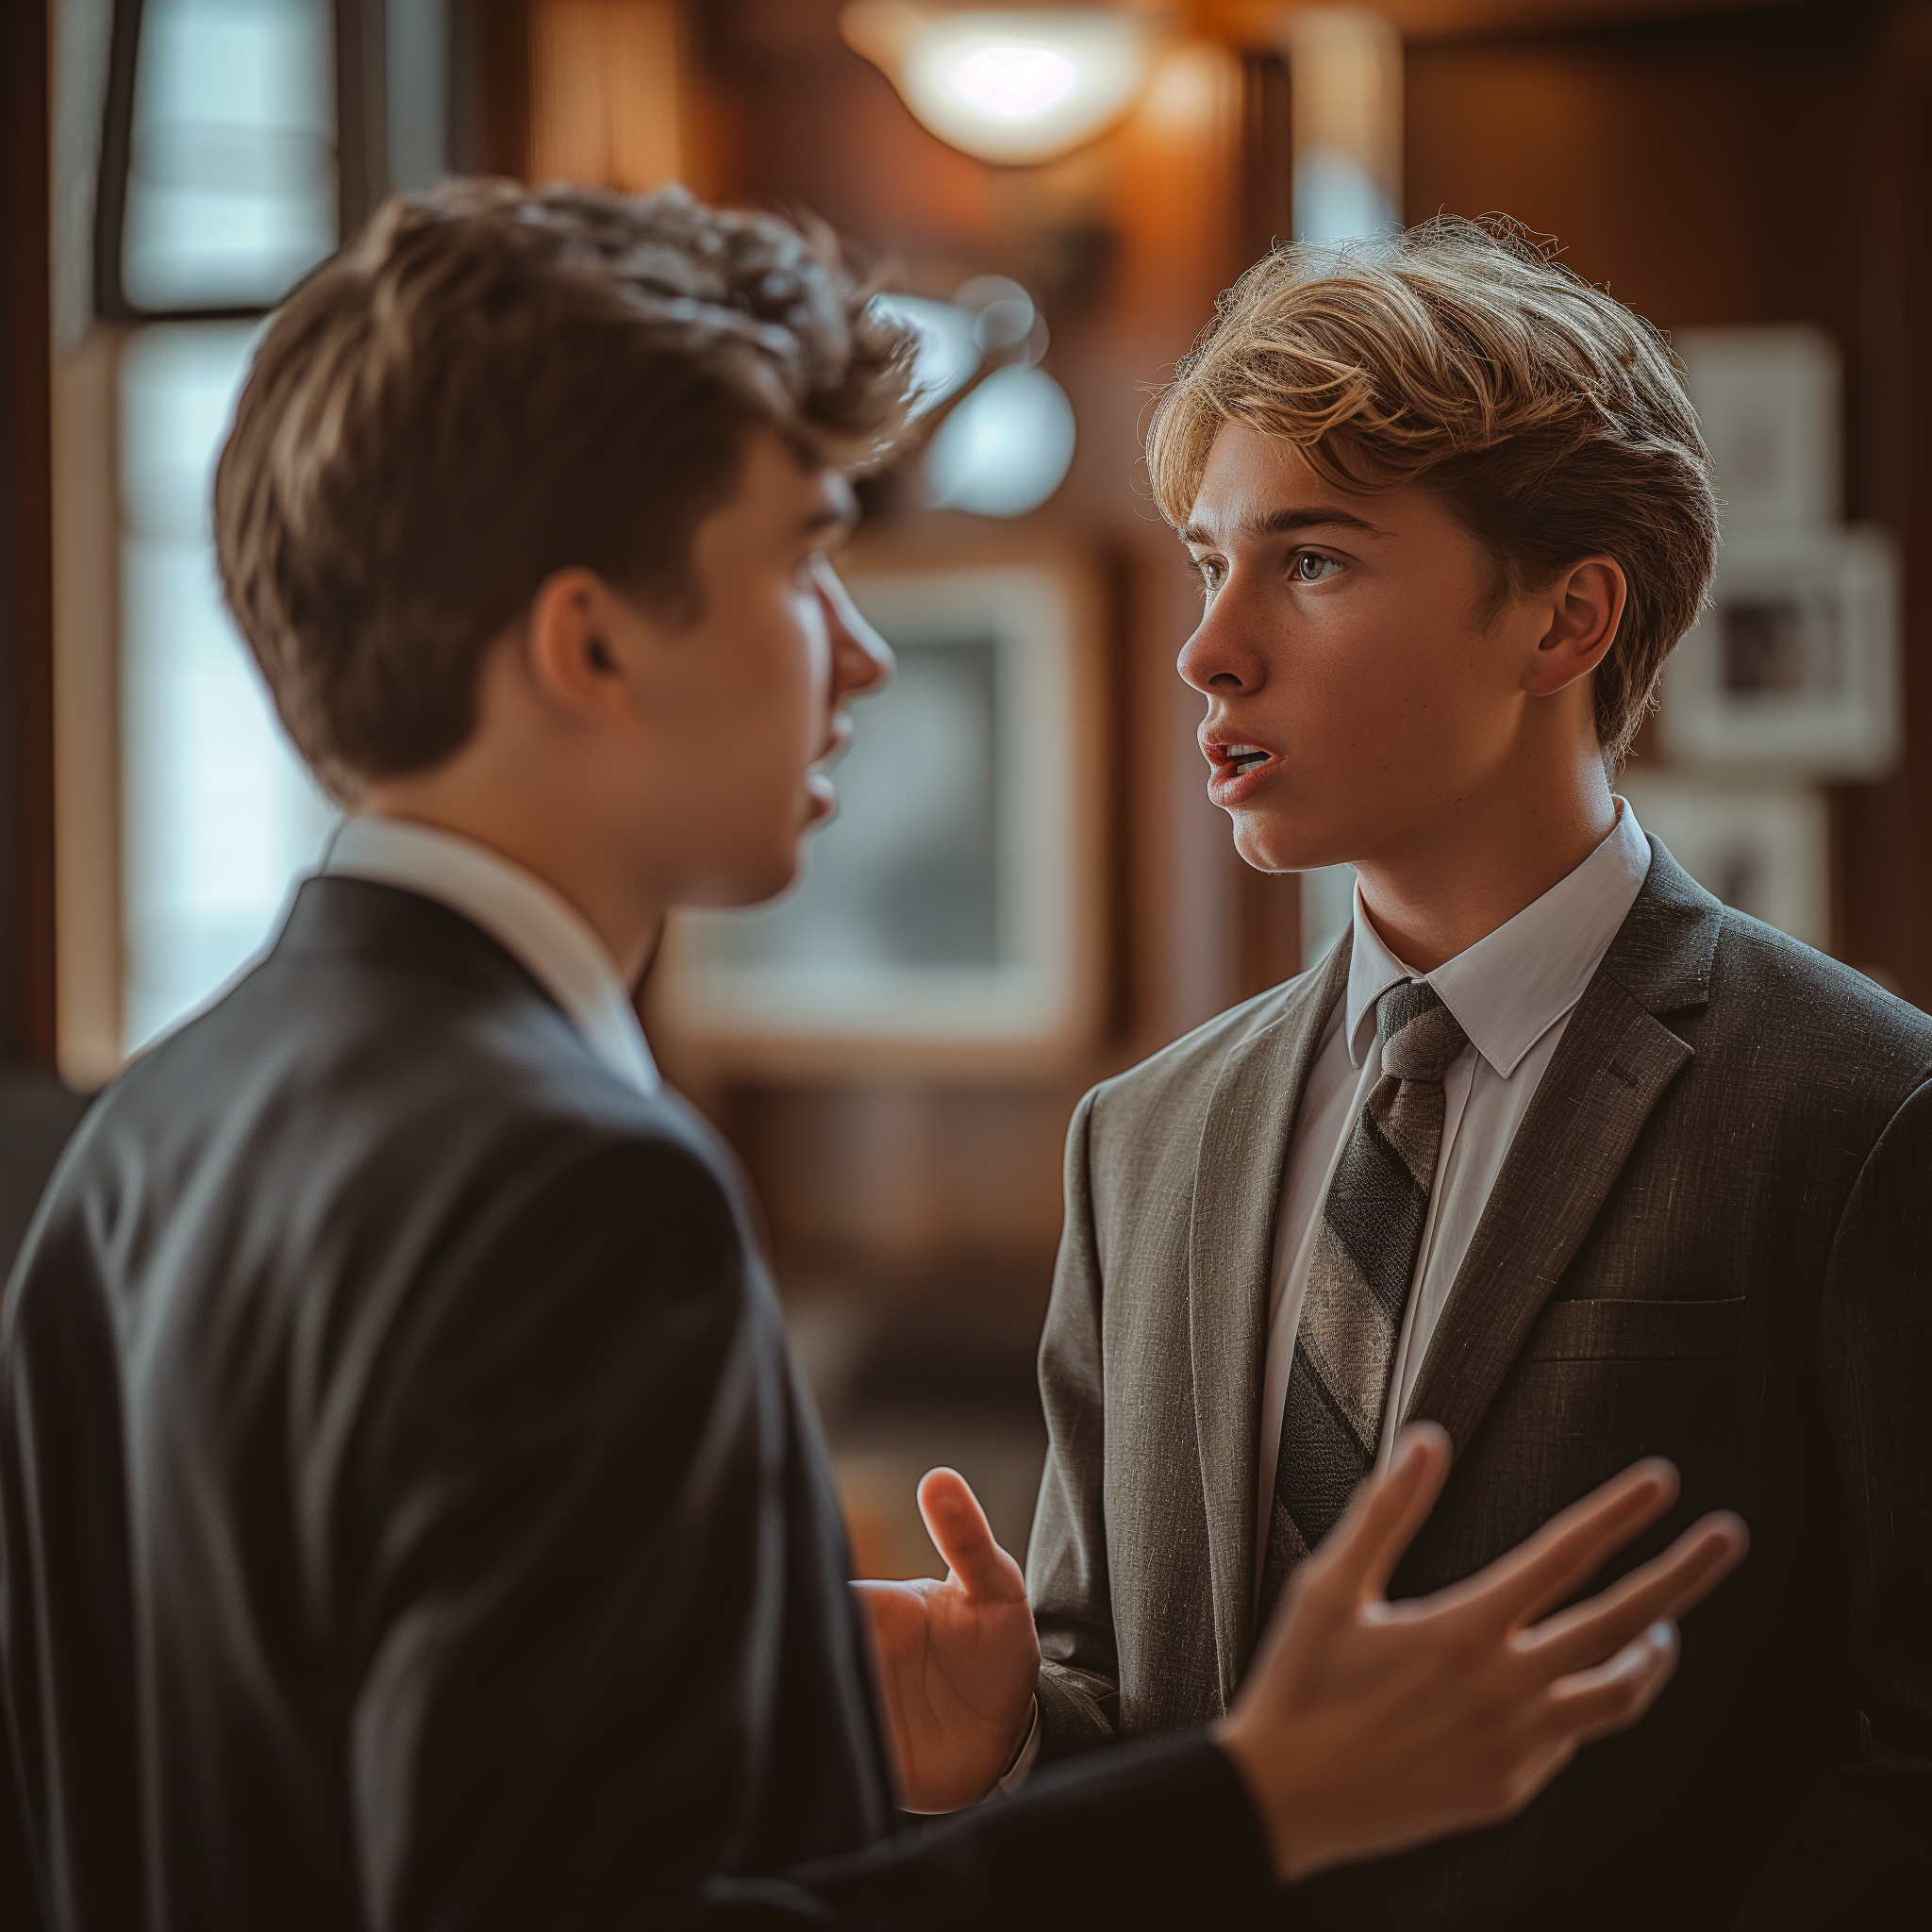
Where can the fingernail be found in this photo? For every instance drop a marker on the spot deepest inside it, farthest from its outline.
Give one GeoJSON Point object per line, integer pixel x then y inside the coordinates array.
{"type": "Point", "coordinates": [1662, 1637]}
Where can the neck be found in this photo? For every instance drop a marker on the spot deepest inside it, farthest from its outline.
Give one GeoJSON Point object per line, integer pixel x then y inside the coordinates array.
{"type": "Point", "coordinates": [533, 827]}
{"type": "Point", "coordinates": [1439, 888]}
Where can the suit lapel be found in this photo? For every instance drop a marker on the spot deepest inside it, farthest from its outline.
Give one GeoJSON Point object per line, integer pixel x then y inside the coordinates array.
{"type": "Point", "coordinates": [1614, 1063]}
{"type": "Point", "coordinates": [1244, 1142]}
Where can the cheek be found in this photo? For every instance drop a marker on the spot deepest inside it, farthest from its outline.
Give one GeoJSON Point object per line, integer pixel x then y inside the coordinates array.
{"type": "Point", "coordinates": [1400, 678]}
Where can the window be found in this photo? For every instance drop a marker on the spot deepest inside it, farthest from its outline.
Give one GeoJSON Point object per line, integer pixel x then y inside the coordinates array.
{"type": "Point", "coordinates": [223, 169]}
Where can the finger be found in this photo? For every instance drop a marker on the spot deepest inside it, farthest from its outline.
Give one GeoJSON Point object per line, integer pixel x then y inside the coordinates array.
{"type": "Point", "coordinates": [1592, 1704]}
{"type": "Point", "coordinates": [1386, 1509]}
{"type": "Point", "coordinates": [962, 1535]}
{"type": "Point", "coordinates": [1572, 1547]}
{"type": "Point", "coordinates": [1664, 1588]}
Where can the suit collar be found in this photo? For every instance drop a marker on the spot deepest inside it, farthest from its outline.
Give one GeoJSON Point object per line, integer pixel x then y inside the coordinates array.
{"type": "Point", "coordinates": [1663, 952]}
{"type": "Point", "coordinates": [1615, 1062]}
{"type": "Point", "coordinates": [360, 919]}
{"type": "Point", "coordinates": [1238, 1175]}
{"type": "Point", "coordinates": [525, 914]}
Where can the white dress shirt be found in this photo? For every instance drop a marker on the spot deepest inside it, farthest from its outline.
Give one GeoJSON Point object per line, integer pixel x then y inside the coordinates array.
{"type": "Point", "coordinates": [1513, 992]}
{"type": "Point", "coordinates": [549, 937]}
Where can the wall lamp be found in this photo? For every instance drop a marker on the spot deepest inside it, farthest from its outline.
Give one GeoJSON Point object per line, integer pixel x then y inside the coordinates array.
{"type": "Point", "coordinates": [1011, 86]}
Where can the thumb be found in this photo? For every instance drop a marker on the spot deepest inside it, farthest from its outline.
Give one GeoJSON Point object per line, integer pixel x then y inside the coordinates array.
{"type": "Point", "coordinates": [962, 1535]}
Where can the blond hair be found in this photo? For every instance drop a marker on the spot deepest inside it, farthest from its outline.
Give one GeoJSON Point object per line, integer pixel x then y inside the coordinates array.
{"type": "Point", "coordinates": [1460, 356]}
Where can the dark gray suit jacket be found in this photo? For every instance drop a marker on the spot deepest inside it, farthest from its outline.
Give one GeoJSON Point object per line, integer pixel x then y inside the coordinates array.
{"type": "Point", "coordinates": [1712, 1239]}
{"type": "Point", "coordinates": [410, 1519]}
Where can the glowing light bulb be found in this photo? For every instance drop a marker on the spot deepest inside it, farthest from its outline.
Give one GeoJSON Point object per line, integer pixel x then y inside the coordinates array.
{"type": "Point", "coordinates": [1012, 81]}
{"type": "Point", "coordinates": [1008, 85]}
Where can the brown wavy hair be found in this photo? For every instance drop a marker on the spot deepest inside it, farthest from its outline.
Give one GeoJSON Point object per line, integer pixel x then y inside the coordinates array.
{"type": "Point", "coordinates": [1461, 356]}
{"type": "Point", "coordinates": [490, 384]}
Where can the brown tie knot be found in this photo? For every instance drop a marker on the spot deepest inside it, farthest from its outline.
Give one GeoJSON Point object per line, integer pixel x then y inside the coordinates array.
{"type": "Point", "coordinates": [1419, 1035]}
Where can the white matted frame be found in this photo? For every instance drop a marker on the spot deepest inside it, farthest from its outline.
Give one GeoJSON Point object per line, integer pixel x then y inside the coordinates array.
{"type": "Point", "coordinates": [1762, 848]}
{"type": "Point", "coordinates": [1770, 402]}
{"type": "Point", "coordinates": [950, 921]}
{"type": "Point", "coordinates": [1794, 668]}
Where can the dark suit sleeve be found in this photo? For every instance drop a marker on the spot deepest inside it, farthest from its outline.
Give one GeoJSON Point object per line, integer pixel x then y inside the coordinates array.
{"type": "Point", "coordinates": [1860, 1852]}
{"type": "Point", "coordinates": [573, 1468]}
{"type": "Point", "coordinates": [1157, 1835]}
{"type": "Point", "coordinates": [1066, 1558]}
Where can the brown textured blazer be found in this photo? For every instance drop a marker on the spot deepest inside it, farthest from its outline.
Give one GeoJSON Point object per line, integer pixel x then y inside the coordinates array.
{"type": "Point", "coordinates": [1712, 1239]}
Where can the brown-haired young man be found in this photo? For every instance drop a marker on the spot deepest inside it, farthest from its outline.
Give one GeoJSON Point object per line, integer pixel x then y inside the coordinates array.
{"type": "Point", "coordinates": [408, 1516]}
{"type": "Point", "coordinates": [1553, 1149]}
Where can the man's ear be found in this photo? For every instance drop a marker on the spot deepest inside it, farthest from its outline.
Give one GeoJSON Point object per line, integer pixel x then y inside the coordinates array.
{"type": "Point", "coordinates": [1586, 606]}
{"type": "Point", "coordinates": [577, 637]}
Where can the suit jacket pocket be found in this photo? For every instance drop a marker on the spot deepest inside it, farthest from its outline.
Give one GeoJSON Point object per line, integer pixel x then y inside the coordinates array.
{"type": "Point", "coordinates": [1634, 1330]}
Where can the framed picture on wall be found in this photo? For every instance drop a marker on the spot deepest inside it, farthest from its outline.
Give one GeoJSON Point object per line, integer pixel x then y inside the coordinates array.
{"type": "Point", "coordinates": [949, 919]}
{"type": "Point", "coordinates": [1762, 848]}
{"type": "Point", "coordinates": [1795, 666]}
{"type": "Point", "coordinates": [1770, 401]}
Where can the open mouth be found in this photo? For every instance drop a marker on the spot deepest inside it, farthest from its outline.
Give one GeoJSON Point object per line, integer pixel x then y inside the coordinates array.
{"type": "Point", "coordinates": [1243, 757]}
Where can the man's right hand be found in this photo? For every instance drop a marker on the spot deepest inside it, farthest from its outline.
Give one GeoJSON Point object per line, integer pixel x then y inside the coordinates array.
{"type": "Point", "coordinates": [1366, 1727]}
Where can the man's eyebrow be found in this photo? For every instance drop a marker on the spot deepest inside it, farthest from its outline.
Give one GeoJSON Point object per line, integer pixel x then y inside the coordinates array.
{"type": "Point", "coordinates": [1285, 523]}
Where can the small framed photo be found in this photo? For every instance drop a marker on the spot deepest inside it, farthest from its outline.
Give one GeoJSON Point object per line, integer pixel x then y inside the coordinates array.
{"type": "Point", "coordinates": [1794, 668]}
{"type": "Point", "coordinates": [1764, 849]}
{"type": "Point", "coordinates": [949, 921]}
{"type": "Point", "coordinates": [1770, 401]}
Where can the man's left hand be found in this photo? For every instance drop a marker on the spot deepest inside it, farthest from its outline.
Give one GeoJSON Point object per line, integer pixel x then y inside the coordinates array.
{"type": "Point", "coordinates": [958, 1659]}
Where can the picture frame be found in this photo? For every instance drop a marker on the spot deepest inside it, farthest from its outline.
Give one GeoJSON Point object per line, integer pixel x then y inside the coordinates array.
{"type": "Point", "coordinates": [1764, 849]}
{"type": "Point", "coordinates": [1794, 667]}
{"type": "Point", "coordinates": [950, 921]}
{"type": "Point", "coordinates": [1770, 401]}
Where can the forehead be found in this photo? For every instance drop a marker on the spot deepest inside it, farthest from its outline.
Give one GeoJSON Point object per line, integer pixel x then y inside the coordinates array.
{"type": "Point", "coordinates": [1257, 485]}
{"type": "Point", "coordinates": [780, 484]}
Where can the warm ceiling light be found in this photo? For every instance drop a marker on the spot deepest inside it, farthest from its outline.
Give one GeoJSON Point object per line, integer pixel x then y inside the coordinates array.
{"type": "Point", "coordinates": [1009, 86]}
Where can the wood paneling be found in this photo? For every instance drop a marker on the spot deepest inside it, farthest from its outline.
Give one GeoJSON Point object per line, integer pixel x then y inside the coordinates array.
{"type": "Point", "coordinates": [608, 93]}
{"type": "Point", "coordinates": [1764, 167]}
{"type": "Point", "coordinates": [27, 705]}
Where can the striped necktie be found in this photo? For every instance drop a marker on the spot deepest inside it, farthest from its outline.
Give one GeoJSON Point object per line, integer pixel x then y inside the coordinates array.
{"type": "Point", "coordinates": [1359, 1281]}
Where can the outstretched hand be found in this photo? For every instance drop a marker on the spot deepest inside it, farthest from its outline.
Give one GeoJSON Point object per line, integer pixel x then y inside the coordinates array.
{"type": "Point", "coordinates": [958, 1661]}
{"type": "Point", "coordinates": [1365, 1726]}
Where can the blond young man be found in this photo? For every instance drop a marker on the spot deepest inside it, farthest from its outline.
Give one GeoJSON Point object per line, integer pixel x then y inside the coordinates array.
{"type": "Point", "coordinates": [1553, 1149]}
{"type": "Point", "coordinates": [408, 1517]}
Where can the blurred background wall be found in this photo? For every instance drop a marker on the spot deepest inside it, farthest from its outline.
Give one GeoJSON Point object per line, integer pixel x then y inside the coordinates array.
{"type": "Point", "coordinates": [1032, 890]}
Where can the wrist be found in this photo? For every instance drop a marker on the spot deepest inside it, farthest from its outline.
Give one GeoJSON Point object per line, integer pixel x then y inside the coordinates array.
{"type": "Point", "coordinates": [1029, 1723]}
{"type": "Point", "coordinates": [1283, 1796]}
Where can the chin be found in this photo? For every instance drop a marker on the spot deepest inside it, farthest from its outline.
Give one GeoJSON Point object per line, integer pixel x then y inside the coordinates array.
{"type": "Point", "coordinates": [748, 883]}
{"type": "Point", "coordinates": [1269, 845]}
{"type": "Point", "coordinates": [767, 884]}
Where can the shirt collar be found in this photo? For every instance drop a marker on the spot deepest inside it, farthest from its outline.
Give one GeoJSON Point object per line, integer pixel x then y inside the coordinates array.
{"type": "Point", "coordinates": [1514, 984]}
{"type": "Point", "coordinates": [529, 918]}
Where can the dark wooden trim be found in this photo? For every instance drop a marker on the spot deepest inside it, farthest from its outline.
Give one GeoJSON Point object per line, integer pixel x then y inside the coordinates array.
{"type": "Point", "coordinates": [110, 179]}
{"type": "Point", "coordinates": [493, 118]}
{"type": "Point", "coordinates": [1907, 57]}
{"type": "Point", "coordinates": [26, 551]}
{"type": "Point", "coordinates": [361, 112]}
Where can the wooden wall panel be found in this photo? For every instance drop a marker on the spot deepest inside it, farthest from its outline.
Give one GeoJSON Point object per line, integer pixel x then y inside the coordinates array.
{"type": "Point", "coordinates": [27, 621]}
{"type": "Point", "coordinates": [1757, 167]}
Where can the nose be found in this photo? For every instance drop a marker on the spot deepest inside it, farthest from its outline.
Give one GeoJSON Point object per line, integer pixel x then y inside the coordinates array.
{"type": "Point", "coordinates": [862, 661]}
{"type": "Point", "coordinates": [1218, 660]}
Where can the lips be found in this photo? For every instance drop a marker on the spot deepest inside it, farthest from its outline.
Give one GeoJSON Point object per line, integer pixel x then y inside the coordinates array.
{"type": "Point", "coordinates": [1238, 768]}
{"type": "Point", "coordinates": [822, 799]}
